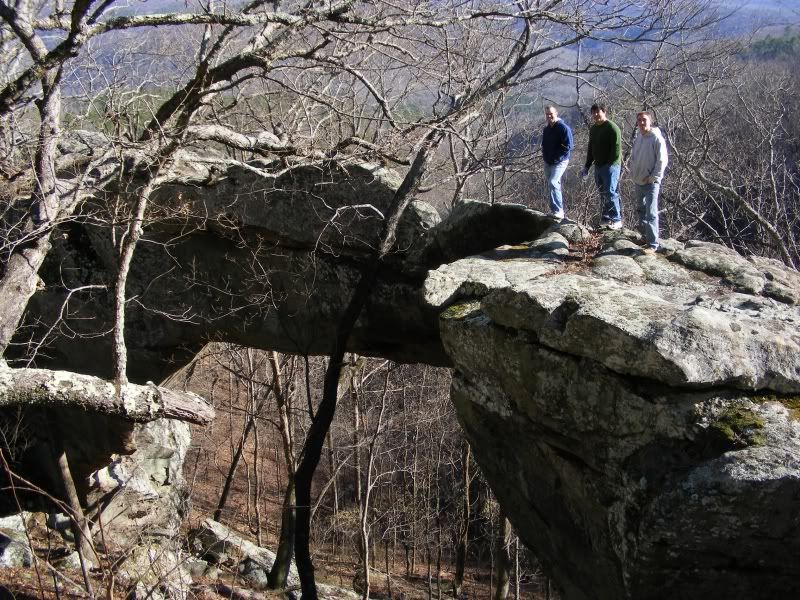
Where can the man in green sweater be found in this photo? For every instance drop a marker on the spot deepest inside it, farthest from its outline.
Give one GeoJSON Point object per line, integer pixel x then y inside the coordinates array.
{"type": "Point", "coordinates": [605, 151]}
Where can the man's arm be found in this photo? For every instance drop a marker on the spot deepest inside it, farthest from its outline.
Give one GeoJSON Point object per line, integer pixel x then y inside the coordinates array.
{"type": "Point", "coordinates": [616, 157]}
{"type": "Point", "coordinates": [566, 142]}
{"type": "Point", "coordinates": [545, 145]}
{"type": "Point", "coordinates": [661, 159]}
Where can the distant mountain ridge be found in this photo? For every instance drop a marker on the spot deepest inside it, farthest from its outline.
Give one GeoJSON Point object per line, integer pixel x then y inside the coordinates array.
{"type": "Point", "coordinates": [782, 9]}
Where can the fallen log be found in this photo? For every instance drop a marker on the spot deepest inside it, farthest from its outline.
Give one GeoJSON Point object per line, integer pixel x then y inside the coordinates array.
{"type": "Point", "coordinates": [65, 389]}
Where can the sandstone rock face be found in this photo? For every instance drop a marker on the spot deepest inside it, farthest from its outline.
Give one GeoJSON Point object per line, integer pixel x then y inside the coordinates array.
{"type": "Point", "coordinates": [637, 415]}
{"type": "Point", "coordinates": [263, 264]}
{"type": "Point", "coordinates": [143, 494]}
{"type": "Point", "coordinates": [334, 205]}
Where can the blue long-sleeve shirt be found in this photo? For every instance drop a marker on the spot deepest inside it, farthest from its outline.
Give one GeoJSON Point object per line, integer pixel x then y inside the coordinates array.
{"type": "Point", "coordinates": [556, 142]}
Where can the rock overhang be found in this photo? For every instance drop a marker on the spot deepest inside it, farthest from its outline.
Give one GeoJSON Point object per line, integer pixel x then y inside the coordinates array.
{"type": "Point", "coordinates": [676, 325]}
{"type": "Point", "coordinates": [633, 413]}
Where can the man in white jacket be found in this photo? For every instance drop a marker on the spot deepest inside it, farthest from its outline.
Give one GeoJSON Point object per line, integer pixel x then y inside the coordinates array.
{"type": "Point", "coordinates": [646, 168]}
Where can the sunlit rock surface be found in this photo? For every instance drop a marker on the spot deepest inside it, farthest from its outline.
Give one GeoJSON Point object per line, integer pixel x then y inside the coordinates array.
{"type": "Point", "coordinates": [637, 415]}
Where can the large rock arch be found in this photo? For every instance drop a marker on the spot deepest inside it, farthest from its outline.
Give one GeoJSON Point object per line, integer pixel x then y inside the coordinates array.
{"type": "Point", "coordinates": [636, 415]}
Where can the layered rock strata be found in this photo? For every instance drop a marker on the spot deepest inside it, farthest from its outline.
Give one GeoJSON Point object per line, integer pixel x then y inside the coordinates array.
{"type": "Point", "coordinates": [638, 416]}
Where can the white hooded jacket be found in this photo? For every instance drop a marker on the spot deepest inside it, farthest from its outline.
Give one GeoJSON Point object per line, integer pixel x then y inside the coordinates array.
{"type": "Point", "coordinates": [648, 157]}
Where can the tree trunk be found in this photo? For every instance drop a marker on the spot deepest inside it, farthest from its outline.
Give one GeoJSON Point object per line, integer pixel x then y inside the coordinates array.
{"type": "Point", "coordinates": [357, 447]}
{"type": "Point", "coordinates": [491, 558]}
{"type": "Point", "coordinates": [503, 560]}
{"type": "Point", "coordinates": [388, 572]}
{"type": "Point", "coordinates": [237, 456]}
{"type": "Point", "coordinates": [20, 279]}
{"type": "Point", "coordinates": [364, 551]}
{"type": "Point", "coordinates": [279, 574]}
{"type": "Point", "coordinates": [414, 500]}
{"type": "Point", "coordinates": [334, 471]}
{"type": "Point", "coordinates": [257, 484]}
{"type": "Point", "coordinates": [315, 439]}
{"type": "Point", "coordinates": [78, 522]}
{"type": "Point", "coordinates": [463, 534]}
{"type": "Point", "coordinates": [439, 562]}
{"type": "Point", "coordinates": [516, 568]}
{"type": "Point", "coordinates": [18, 285]}
{"type": "Point", "coordinates": [430, 571]}
{"type": "Point", "coordinates": [140, 403]}
{"type": "Point", "coordinates": [126, 257]}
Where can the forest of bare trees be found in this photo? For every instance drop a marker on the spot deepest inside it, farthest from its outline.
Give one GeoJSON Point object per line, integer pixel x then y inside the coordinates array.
{"type": "Point", "coordinates": [397, 494]}
{"type": "Point", "coordinates": [104, 103]}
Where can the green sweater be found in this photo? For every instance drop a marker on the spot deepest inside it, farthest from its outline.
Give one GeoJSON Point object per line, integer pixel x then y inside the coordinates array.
{"type": "Point", "coordinates": [605, 145]}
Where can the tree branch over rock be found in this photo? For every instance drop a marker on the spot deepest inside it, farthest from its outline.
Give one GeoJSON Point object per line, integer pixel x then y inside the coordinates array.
{"type": "Point", "coordinates": [64, 389]}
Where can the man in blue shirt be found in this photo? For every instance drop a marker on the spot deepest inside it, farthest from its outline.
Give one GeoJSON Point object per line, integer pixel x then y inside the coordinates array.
{"type": "Point", "coordinates": [556, 148]}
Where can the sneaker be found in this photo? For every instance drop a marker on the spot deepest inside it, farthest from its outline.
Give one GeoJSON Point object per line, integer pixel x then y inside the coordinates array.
{"type": "Point", "coordinates": [559, 214]}
{"type": "Point", "coordinates": [615, 225]}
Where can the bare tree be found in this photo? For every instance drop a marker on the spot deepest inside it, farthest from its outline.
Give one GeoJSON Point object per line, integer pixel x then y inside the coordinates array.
{"type": "Point", "coordinates": [463, 530]}
{"type": "Point", "coordinates": [747, 170]}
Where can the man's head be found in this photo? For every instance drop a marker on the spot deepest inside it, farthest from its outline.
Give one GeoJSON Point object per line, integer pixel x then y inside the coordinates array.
{"type": "Point", "coordinates": [644, 120]}
{"type": "Point", "coordinates": [551, 114]}
{"type": "Point", "coordinates": [599, 113]}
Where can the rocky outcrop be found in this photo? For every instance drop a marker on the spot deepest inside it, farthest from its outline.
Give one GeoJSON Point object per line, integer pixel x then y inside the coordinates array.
{"type": "Point", "coordinates": [636, 415]}
{"type": "Point", "coordinates": [143, 494]}
{"type": "Point", "coordinates": [218, 545]}
{"type": "Point", "coordinates": [232, 256]}
{"type": "Point", "coordinates": [15, 551]}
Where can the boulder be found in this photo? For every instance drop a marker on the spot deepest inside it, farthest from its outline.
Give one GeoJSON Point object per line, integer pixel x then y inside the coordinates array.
{"type": "Point", "coordinates": [219, 545]}
{"type": "Point", "coordinates": [143, 494]}
{"type": "Point", "coordinates": [155, 570]}
{"type": "Point", "coordinates": [15, 551]}
{"type": "Point", "coordinates": [332, 592]}
{"type": "Point", "coordinates": [635, 414]}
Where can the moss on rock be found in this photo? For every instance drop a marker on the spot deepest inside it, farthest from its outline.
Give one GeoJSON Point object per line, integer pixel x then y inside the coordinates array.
{"type": "Point", "coordinates": [791, 402]}
{"type": "Point", "coordinates": [461, 310]}
{"type": "Point", "coordinates": [739, 426]}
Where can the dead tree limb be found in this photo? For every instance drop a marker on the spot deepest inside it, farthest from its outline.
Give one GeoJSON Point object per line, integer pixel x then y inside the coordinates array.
{"type": "Point", "coordinates": [137, 403]}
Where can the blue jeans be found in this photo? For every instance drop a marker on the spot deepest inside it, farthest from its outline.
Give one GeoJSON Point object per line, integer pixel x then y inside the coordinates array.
{"type": "Point", "coordinates": [553, 175]}
{"type": "Point", "coordinates": [647, 203]}
{"type": "Point", "coordinates": [607, 180]}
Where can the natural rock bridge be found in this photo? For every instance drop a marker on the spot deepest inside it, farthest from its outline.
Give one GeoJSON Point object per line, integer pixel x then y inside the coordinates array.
{"type": "Point", "coordinates": [636, 415]}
